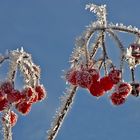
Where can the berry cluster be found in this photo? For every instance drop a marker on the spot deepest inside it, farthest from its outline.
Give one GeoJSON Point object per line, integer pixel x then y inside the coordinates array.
{"type": "Point", "coordinates": [122, 90]}
{"type": "Point", "coordinates": [97, 86]}
{"type": "Point", "coordinates": [20, 100]}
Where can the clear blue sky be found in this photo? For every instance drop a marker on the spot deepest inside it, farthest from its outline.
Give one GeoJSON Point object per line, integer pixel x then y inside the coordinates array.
{"type": "Point", "coordinates": [47, 29]}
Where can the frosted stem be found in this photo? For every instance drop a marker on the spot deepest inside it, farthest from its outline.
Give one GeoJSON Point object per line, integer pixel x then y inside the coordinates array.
{"type": "Point", "coordinates": [60, 116]}
{"type": "Point", "coordinates": [132, 31]}
{"type": "Point", "coordinates": [105, 56]}
{"type": "Point", "coordinates": [117, 40]}
{"type": "Point", "coordinates": [133, 74]}
{"type": "Point", "coordinates": [7, 130]}
{"type": "Point", "coordinates": [86, 54]}
{"type": "Point", "coordinates": [117, 28]}
{"type": "Point", "coordinates": [96, 46]}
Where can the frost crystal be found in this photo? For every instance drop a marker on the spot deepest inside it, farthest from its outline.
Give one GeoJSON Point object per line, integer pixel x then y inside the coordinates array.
{"type": "Point", "coordinates": [20, 100]}
{"type": "Point", "coordinates": [91, 52]}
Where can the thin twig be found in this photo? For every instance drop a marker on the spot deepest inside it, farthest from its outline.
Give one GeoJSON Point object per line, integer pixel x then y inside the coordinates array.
{"type": "Point", "coordinates": [133, 74]}
{"type": "Point", "coordinates": [3, 59]}
{"type": "Point", "coordinates": [105, 56]}
{"type": "Point", "coordinates": [96, 46]}
{"type": "Point", "coordinates": [86, 54]}
{"type": "Point", "coordinates": [122, 29]}
{"type": "Point", "coordinates": [117, 28]}
{"type": "Point", "coordinates": [7, 130]}
{"type": "Point", "coordinates": [117, 40]}
{"type": "Point", "coordinates": [62, 114]}
{"type": "Point", "coordinates": [121, 47]}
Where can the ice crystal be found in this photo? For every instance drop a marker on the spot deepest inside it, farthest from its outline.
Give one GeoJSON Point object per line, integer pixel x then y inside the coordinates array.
{"type": "Point", "coordinates": [87, 55]}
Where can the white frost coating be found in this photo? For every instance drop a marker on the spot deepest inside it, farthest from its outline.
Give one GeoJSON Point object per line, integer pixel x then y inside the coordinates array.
{"type": "Point", "coordinates": [100, 11]}
{"type": "Point", "coordinates": [78, 57]}
{"type": "Point", "coordinates": [130, 59]}
{"type": "Point", "coordinates": [22, 60]}
{"type": "Point", "coordinates": [123, 28]}
{"type": "Point", "coordinates": [61, 112]}
{"type": "Point", "coordinates": [31, 73]}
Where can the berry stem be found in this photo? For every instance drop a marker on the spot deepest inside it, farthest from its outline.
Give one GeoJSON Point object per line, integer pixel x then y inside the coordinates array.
{"type": "Point", "coordinates": [117, 28]}
{"type": "Point", "coordinates": [60, 116]}
{"type": "Point", "coordinates": [120, 45]}
{"type": "Point", "coordinates": [86, 54]}
{"type": "Point", "coordinates": [96, 46]}
{"type": "Point", "coordinates": [105, 56]}
{"type": "Point", "coordinates": [7, 130]}
{"type": "Point", "coordinates": [117, 40]}
{"type": "Point", "coordinates": [133, 74]}
{"type": "Point", "coordinates": [2, 59]}
{"type": "Point", "coordinates": [123, 29]}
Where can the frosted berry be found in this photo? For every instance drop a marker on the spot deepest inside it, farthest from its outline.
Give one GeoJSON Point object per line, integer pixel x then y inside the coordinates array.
{"type": "Point", "coordinates": [94, 73]}
{"type": "Point", "coordinates": [106, 83]}
{"type": "Point", "coordinates": [28, 95]}
{"type": "Point", "coordinates": [71, 76]}
{"type": "Point", "coordinates": [3, 104]}
{"type": "Point", "coordinates": [40, 91]}
{"type": "Point", "coordinates": [29, 92]}
{"type": "Point", "coordinates": [23, 107]}
{"type": "Point", "coordinates": [83, 78]}
{"type": "Point", "coordinates": [124, 89]}
{"type": "Point", "coordinates": [6, 87]}
{"type": "Point", "coordinates": [14, 96]}
{"type": "Point", "coordinates": [96, 89]}
{"type": "Point", "coordinates": [115, 76]}
{"type": "Point", "coordinates": [34, 98]}
{"type": "Point", "coordinates": [117, 99]}
{"type": "Point", "coordinates": [135, 89]}
{"type": "Point", "coordinates": [13, 118]}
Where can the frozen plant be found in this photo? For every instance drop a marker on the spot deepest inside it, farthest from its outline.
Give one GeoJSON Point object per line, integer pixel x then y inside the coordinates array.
{"type": "Point", "coordinates": [91, 56]}
{"type": "Point", "coordinates": [14, 99]}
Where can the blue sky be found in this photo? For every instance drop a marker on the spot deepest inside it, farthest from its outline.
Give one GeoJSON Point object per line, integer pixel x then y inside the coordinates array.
{"type": "Point", "coordinates": [47, 29]}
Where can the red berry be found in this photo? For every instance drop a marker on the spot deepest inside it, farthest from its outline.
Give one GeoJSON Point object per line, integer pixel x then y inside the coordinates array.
{"type": "Point", "coordinates": [71, 76]}
{"type": "Point", "coordinates": [117, 99]}
{"type": "Point", "coordinates": [23, 107]}
{"type": "Point", "coordinates": [28, 94]}
{"type": "Point", "coordinates": [6, 87]}
{"type": "Point", "coordinates": [14, 96]}
{"type": "Point", "coordinates": [115, 76]}
{"type": "Point", "coordinates": [3, 104]}
{"type": "Point", "coordinates": [13, 118]}
{"type": "Point", "coordinates": [83, 78]}
{"type": "Point", "coordinates": [123, 88]}
{"type": "Point", "coordinates": [94, 73]}
{"type": "Point", "coordinates": [34, 99]}
{"type": "Point", "coordinates": [106, 83]}
{"type": "Point", "coordinates": [86, 77]}
{"type": "Point", "coordinates": [96, 89]}
{"type": "Point", "coordinates": [40, 91]}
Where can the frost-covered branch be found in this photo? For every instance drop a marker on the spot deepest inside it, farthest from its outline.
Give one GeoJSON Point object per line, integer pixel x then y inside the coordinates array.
{"type": "Point", "coordinates": [61, 113]}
